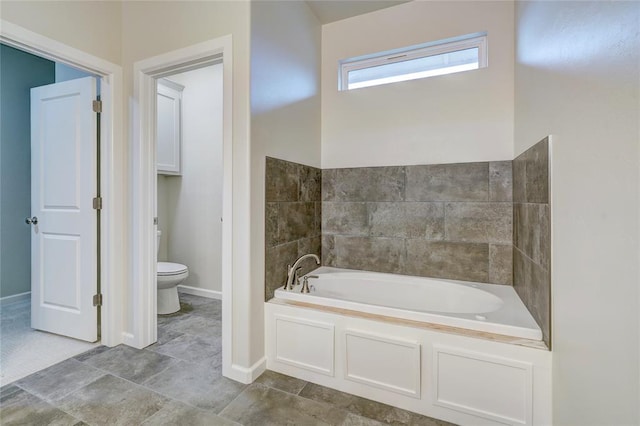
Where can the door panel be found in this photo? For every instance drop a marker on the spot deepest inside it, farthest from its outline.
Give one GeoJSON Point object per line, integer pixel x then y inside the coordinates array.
{"type": "Point", "coordinates": [63, 184]}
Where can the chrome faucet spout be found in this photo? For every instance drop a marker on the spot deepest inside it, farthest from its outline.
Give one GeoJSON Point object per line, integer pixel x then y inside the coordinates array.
{"type": "Point", "coordinates": [291, 271]}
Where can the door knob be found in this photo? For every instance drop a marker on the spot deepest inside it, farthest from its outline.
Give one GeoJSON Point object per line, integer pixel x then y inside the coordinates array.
{"type": "Point", "coordinates": [31, 220]}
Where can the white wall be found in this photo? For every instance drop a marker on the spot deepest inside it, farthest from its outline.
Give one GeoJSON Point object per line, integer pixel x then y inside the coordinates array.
{"type": "Point", "coordinates": [190, 205]}
{"type": "Point", "coordinates": [178, 24]}
{"type": "Point", "coordinates": [285, 107]}
{"type": "Point", "coordinates": [162, 205]}
{"type": "Point", "coordinates": [455, 118]}
{"type": "Point", "coordinates": [93, 27]}
{"type": "Point", "coordinates": [577, 68]}
{"type": "Point", "coordinates": [285, 81]}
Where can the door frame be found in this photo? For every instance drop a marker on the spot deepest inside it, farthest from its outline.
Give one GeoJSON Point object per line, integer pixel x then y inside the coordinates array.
{"type": "Point", "coordinates": [112, 215]}
{"type": "Point", "coordinates": [144, 179]}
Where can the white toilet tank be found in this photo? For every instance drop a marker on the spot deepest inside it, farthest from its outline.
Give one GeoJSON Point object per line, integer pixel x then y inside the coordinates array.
{"type": "Point", "coordinates": [158, 234]}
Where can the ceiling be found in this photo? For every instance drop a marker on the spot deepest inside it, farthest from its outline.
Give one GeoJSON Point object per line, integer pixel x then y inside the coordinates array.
{"type": "Point", "coordinates": [335, 10]}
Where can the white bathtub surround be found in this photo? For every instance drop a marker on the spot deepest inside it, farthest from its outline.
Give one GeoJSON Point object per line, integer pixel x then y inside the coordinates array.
{"type": "Point", "coordinates": [353, 336]}
{"type": "Point", "coordinates": [488, 308]}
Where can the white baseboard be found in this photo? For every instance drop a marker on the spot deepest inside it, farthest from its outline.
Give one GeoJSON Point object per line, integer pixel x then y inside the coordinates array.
{"type": "Point", "coordinates": [15, 298]}
{"type": "Point", "coordinates": [247, 375]}
{"type": "Point", "coordinates": [129, 339]}
{"type": "Point", "coordinates": [202, 292]}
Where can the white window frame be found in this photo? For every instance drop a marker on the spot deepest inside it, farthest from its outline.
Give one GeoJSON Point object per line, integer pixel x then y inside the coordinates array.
{"type": "Point", "coordinates": [477, 40]}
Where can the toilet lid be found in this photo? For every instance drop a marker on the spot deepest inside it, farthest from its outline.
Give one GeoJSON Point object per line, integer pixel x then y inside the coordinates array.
{"type": "Point", "coordinates": [168, 268]}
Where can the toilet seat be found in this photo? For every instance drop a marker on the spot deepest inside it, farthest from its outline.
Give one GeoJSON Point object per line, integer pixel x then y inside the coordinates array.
{"type": "Point", "coordinates": [167, 269]}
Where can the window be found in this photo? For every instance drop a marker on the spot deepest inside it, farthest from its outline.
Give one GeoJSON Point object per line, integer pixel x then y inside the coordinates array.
{"type": "Point", "coordinates": [426, 60]}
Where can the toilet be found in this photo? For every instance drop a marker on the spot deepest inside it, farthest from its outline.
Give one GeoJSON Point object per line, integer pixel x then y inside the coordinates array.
{"type": "Point", "coordinates": [169, 276]}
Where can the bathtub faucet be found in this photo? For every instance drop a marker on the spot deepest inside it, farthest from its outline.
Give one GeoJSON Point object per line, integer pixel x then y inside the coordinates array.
{"type": "Point", "coordinates": [291, 270]}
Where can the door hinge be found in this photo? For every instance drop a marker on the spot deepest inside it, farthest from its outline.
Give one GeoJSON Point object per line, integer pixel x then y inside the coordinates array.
{"type": "Point", "coordinates": [97, 106]}
{"type": "Point", "coordinates": [97, 300]}
{"type": "Point", "coordinates": [97, 203]}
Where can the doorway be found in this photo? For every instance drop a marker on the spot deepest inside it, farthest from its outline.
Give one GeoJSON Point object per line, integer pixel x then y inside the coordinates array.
{"type": "Point", "coordinates": [49, 170]}
{"type": "Point", "coordinates": [146, 74]}
{"type": "Point", "coordinates": [189, 183]}
{"type": "Point", "coordinates": [111, 218]}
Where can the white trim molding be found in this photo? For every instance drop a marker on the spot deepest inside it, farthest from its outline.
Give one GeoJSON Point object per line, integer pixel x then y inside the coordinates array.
{"type": "Point", "coordinates": [248, 375]}
{"type": "Point", "coordinates": [202, 292]}
{"type": "Point", "coordinates": [113, 278]}
{"type": "Point", "coordinates": [146, 72]}
{"type": "Point", "coordinates": [7, 300]}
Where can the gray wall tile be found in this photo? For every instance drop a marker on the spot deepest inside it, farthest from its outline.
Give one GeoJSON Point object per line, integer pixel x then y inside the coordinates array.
{"type": "Point", "coordinates": [479, 222]}
{"type": "Point", "coordinates": [537, 172]}
{"type": "Point", "coordinates": [295, 221]}
{"type": "Point", "coordinates": [292, 217]}
{"type": "Point", "coordinates": [364, 184]}
{"type": "Point", "coordinates": [310, 183]}
{"type": "Point", "coordinates": [328, 250]}
{"type": "Point", "coordinates": [531, 233]}
{"type": "Point", "coordinates": [519, 179]}
{"type": "Point", "coordinates": [442, 259]}
{"type": "Point", "coordinates": [500, 181]}
{"type": "Point", "coordinates": [309, 245]}
{"type": "Point", "coordinates": [448, 182]}
{"type": "Point", "coordinates": [533, 285]}
{"type": "Point", "coordinates": [282, 180]}
{"type": "Point", "coordinates": [329, 177]}
{"type": "Point", "coordinates": [407, 220]}
{"type": "Point", "coordinates": [371, 254]}
{"type": "Point", "coordinates": [501, 264]}
{"type": "Point", "coordinates": [276, 261]}
{"type": "Point", "coordinates": [271, 224]}
{"type": "Point", "coordinates": [531, 174]}
{"type": "Point", "coordinates": [345, 218]}
{"type": "Point", "coordinates": [317, 224]}
{"type": "Point", "coordinates": [473, 219]}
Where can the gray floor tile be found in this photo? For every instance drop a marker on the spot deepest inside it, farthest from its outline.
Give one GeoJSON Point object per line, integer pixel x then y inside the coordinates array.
{"type": "Point", "coordinates": [367, 408]}
{"type": "Point", "coordinates": [164, 334]}
{"type": "Point", "coordinates": [261, 405]}
{"type": "Point", "coordinates": [211, 310]}
{"type": "Point", "coordinates": [196, 326]}
{"type": "Point", "coordinates": [112, 400]}
{"type": "Point", "coordinates": [188, 348]}
{"type": "Point", "coordinates": [354, 420]}
{"type": "Point", "coordinates": [196, 384]}
{"type": "Point", "coordinates": [397, 416]}
{"type": "Point", "coordinates": [88, 354]}
{"type": "Point", "coordinates": [196, 301]}
{"type": "Point", "coordinates": [130, 363]}
{"type": "Point", "coordinates": [60, 380]}
{"type": "Point", "coordinates": [281, 382]}
{"type": "Point", "coordinates": [174, 391]}
{"type": "Point", "coordinates": [352, 403]}
{"type": "Point", "coordinates": [7, 391]}
{"type": "Point", "coordinates": [179, 414]}
{"type": "Point", "coordinates": [22, 408]}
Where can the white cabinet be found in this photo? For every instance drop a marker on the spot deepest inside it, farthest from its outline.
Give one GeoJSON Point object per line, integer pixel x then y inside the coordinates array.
{"type": "Point", "coordinates": [169, 127]}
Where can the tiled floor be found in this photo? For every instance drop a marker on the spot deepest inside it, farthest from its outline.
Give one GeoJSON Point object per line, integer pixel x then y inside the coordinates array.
{"type": "Point", "coordinates": [24, 350]}
{"type": "Point", "coordinates": [178, 381]}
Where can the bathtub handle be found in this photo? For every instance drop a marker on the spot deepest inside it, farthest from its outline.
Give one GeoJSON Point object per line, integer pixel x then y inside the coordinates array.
{"type": "Point", "coordinates": [305, 283]}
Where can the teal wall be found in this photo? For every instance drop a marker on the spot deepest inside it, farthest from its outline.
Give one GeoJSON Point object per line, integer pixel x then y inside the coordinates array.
{"type": "Point", "coordinates": [19, 72]}
{"type": "Point", "coordinates": [65, 72]}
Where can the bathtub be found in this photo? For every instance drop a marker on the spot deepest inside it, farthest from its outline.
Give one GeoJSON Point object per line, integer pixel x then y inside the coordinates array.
{"type": "Point", "coordinates": [481, 307]}
{"type": "Point", "coordinates": [467, 353]}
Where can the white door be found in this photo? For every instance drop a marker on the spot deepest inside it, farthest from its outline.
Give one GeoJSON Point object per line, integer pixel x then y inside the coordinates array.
{"type": "Point", "coordinates": [64, 235]}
